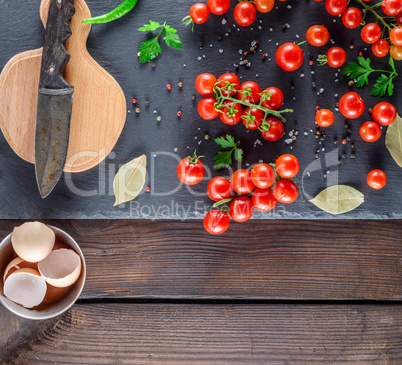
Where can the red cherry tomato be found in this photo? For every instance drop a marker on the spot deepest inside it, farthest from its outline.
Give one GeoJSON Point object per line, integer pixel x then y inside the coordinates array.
{"type": "Point", "coordinates": [252, 118]}
{"type": "Point", "coordinates": [286, 191]}
{"type": "Point", "coordinates": [324, 117]}
{"type": "Point", "coordinates": [396, 52]}
{"type": "Point", "coordinates": [216, 221]}
{"type": "Point", "coordinates": [244, 13]}
{"type": "Point", "coordinates": [391, 7]}
{"type": "Point", "coordinates": [276, 99]}
{"type": "Point", "coordinates": [289, 56]}
{"type": "Point", "coordinates": [370, 131]}
{"type": "Point", "coordinates": [218, 7]}
{"type": "Point", "coordinates": [384, 113]}
{"type": "Point", "coordinates": [262, 175]}
{"type": "Point", "coordinates": [219, 188]}
{"type": "Point", "coordinates": [351, 105]}
{"type": "Point", "coordinates": [264, 6]}
{"type": "Point", "coordinates": [380, 48]}
{"type": "Point", "coordinates": [399, 18]}
{"type": "Point", "coordinates": [376, 179]}
{"type": "Point", "coordinates": [241, 209]}
{"type": "Point", "coordinates": [287, 166]}
{"type": "Point", "coordinates": [232, 79]}
{"type": "Point", "coordinates": [336, 7]}
{"type": "Point", "coordinates": [396, 35]}
{"type": "Point", "coordinates": [263, 199]}
{"type": "Point", "coordinates": [199, 13]}
{"type": "Point", "coordinates": [190, 170]}
{"type": "Point", "coordinates": [234, 119]}
{"type": "Point", "coordinates": [351, 18]}
{"type": "Point", "coordinates": [252, 86]}
{"type": "Point", "coordinates": [241, 182]}
{"type": "Point", "coordinates": [204, 84]}
{"type": "Point", "coordinates": [206, 108]}
{"type": "Point", "coordinates": [317, 35]}
{"type": "Point", "coordinates": [371, 33]}
{"type": "Point", "coordinates": [275, 131]}
{"type": "Point", "coordinates": [336, 57]}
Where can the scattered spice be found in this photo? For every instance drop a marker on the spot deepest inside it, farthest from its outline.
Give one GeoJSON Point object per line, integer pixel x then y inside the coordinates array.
{"type": "Point", "coordinates": [169, 87]}
{"type": "Point", "coordinates": [180, 84]}
{"type": "Point", "coordinates": [134, 101]}
{"type": "Point", "coordinates": [344, 141]}
{"type": "Point", "coordinates": [179, 113]}
{"type": "Point", "coordinates": [148, 189]}
{"type": "Point", "coordinates": [137, 110]}
{"type": "Point", "coordinates": [335, 141]}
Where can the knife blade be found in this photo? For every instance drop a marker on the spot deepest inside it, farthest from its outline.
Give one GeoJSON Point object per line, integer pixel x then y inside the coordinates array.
{"type": "Point", "coordinates": [55, 98]}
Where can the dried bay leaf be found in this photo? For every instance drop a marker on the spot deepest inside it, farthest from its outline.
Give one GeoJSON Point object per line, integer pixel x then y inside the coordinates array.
{"type": "Point", "coordinates": [393, 140]}
{"type": "Point", "coordinates": [130, 180]}
{"type": "Point", "coordinates": [338, 199]}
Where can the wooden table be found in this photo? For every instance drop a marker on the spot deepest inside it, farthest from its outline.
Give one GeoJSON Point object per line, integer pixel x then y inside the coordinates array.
{"type": "Point", "coordinates": [271, 292]}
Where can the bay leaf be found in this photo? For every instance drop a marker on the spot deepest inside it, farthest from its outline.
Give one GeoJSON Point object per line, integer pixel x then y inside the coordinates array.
{"type": "Point", "coordinates": [130, 180]}
{"type": "Point", "coordinates": [393, 140]}
{"type": "Point", "coordinates": [338, 199]}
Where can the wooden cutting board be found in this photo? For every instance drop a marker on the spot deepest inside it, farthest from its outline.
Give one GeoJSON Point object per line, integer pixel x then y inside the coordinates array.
{"type": "Point", "coordinates": [99, 106]}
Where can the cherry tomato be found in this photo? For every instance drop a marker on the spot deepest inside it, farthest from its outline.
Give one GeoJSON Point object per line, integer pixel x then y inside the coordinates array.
{"type": "Point", "coordinates": [245, 13]}
{"type": "Point", "coordinates": [324, 117]}
{"type": "Point", "coordinates": [336, 57]}
{"type": "Point", "coordinates": [275, 131]}
{"type": "Point", "coordinates": [289, 56]}
{"type": "Point", "coordinates": [262, 175]}
{"type": "Point", "coordinates": [396, 35]}
{"type": "Point", "coordinates": [204, 84]}
{"type": "Point", "coordinates": [264, 6]}
{"type": "Point", "coordinates": [351, 105]}
{"type": "Point", "coordinates": [219, 188]}
{"type": "Point", "coordinates": [391, 7]}
{"type": "Point", "coordinates": [231, 120]}
{"type": "Point", "coordinates": [351, 18]}
{"type": "Point", "coordinates": [286, 191]}
{"type": "Point", "coordinates": [241, 182]}
{"type": "Point", "coordinates": [336, 7]}
{"type": "Point", "coordinates": [216, 221]}
{"type": "Point", "coordinates": [370, 131]}
{"type": "Point", "coordinates": [287, 166]}
{"type": "Point", "coordinates": [256, 117]}
{"type": "Point", "coordinates": [206, 108]}
{"type": "Point", "coordinates": [317, 35]}
{"type": "Point", "coordinates": [371, 33]}
{"type": "Point", "coordinates": [376, 179]}
{"type": "Point", "coordinates": [241, 209]}
{"type": "Point", "coordinates": [232, 79]}
{"type": "Point", "coordinates": [396, 52]}
{"type": "Point", "coordinates": [399, 18]}
{"type": "Point", "coordinates": [276, 99]}
{"type": "Point", "coordinates": [199, 13]}
{"type": "Point", "coordinates": [263, 199]}
{"type": "Point", "coordinates": [218, 7]}
{"type": "Point", "coordinates": [255, 90]}
{"type": "Point", "coordinates": [190, 170]}
{"type": "Point", "coordinates": [384, 113]}
{"type": "Point", "coordinates": [380, 48]}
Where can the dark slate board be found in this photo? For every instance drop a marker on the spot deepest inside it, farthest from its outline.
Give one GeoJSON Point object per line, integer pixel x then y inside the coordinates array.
{"type": "Point", "coordinates": [115, 45]}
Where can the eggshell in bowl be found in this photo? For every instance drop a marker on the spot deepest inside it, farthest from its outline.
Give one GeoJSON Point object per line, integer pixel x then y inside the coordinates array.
{"type": "Point", "coordinates": [14, 264]}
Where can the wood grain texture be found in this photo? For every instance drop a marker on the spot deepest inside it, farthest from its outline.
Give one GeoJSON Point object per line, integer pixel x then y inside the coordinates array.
{"type": "Point", "coordinates": [95, 124]}
{"type": "Point", "coordinates": [217, 334]}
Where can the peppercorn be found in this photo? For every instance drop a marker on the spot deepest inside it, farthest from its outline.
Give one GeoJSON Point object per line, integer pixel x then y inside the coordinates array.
{"type": "Point", "coordinates": [193, 97]}
{"type": "Point", "coordinates": [200, 43]}
{"type": "Point", "coordinates": [343, 155]}
{"type": "Point", "coordinates": [349, 130]}
{"type": "Point", "coordinates": [206, 136]}
{"type": "Point", "coordinates": [348, 138]}
{"type": "Point", "coordinates": [137, 110]}
{"type": "Point", "coordinates": [353, 145]}
{"type": "Point", "coordinates": [134, 101]}
{"type": "Point", "coordinates": [339, 161]}
{"type": "Point", "coordinates": [264, 56]}
{"type": "Point", "coordinates": [351, 46]}
{"type": "Point", "coordinates": [317, 132]}
{"type": "Point", "coordinates": [352, 155]}
{"type": "Point", "coordinates": [245, 54]}
{"type": "Point", "coordinates": [351, 83]}
{"type": "Point", "coordinates": [148, 189]}
{"type": "Point", "coordinates": [219, 38]}
{"type": "Point", "coordinates": [169, 87]}
{"type": "Point", "coordinates": [335, 141]}
{"type": "Point", "coordinates": [313, 84]}
{"type": "Point", "coordinates": [147, 102]}
{"type": "Point", "coordinates": [230, 30]}
{"type": "Point", "coordinates": [158, 118]}
{"type": "Point", "coordinates": [325, 176]}
{"type": "Point", "coordinates": [252, 49]}
{"type": "Point", "coordinates": [153, 64]}
{"type": "Point", "coordinates": [322, 137]}
{"type": "Point", "coordinates": [180, 84]}
{"type": "Point", "coordinates": [179, 113]}
{"type": "Point", "coordinates": [245, 62]}
{"type": "Point", "coordinates": [317, 155]}
{"type": "Point", "coordinates": [344, 141]}
{"type": "Point", "coordinates": [293, 137]}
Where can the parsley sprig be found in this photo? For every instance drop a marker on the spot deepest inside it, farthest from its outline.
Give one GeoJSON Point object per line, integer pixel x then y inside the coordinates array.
{"type": "Point", "coordinates": [361, 70]}
{"type": "Point", "coordinates": [224, 158]}
{"type": "Point", "coordinates": [151, 49]}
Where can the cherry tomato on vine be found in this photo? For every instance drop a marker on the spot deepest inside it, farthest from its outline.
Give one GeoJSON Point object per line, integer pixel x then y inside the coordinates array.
{"type": "Point", "coordinates": [233, 120]}
{"type": "Point", "coordinates": [391, 7]}
{"type": "Point", "coordinates": [206, 108]}
{"type": "Point", "coordinates": [336, 7]}
{"type": "Point", "coordinates": [371, 33]}
{"type": "Point", "coordinates": [241, 209]}
{"type": "Point", "coordinates": [263, 199]}
{"type": "Point", "coordinates": [276, 130]}
{"type": "Point", "coordinates": [324, 117]}
{"type": "Point", "coordinates": [255, 90]}
{"type": "Point", "coordinates": [289, 56]}
{"type": "Point", "coordinates": [204, 84]}
{"type": "Point", "coordinates": [219, 188]}
{"type": "Point", "coordinates": [241, 182]}
{"type": "Point", "coordinates": [351, 105]}
{"type": "Point", "coordinates": [252, 118]}
{"type": "Point", "coordinates": [399, 18]}
{"type": "Point", "coordinates": [216, 221]}
{"type": "Point", "coordinates": [276, 98]}
{"type": "Point", "coordinates": [396, 52]}
{"type": "Point", "coordinates": [287, 166]}
{"type": "Point", "coordinates": [286, 191]}
{"type": "Point", "coordinates": [199, 13]}
{"type": "Point", "coordinates": [370, 131]}
{"type": "Point", "coordinates": [218, 7]}
{"type": "Point", "coordinates": [264, 6]}
{"type": "Point", "coordinates": [376, 179]}
{"type": "Point", "coordinates": [352, 17]}
{"type": "Point", "coordinates": [262, 175]}
{"type": "Point", "coordinates": [317, 35]}
{"type": "Point", "coordinates": [336, 57]}
{"type": "Point", "coordinates": [244, 13]}
{"type": "Point", "coordinates": [380, 48]}
{"type": "Point", "coordinates": [384, 113]}
{"type": "Point", "coordinates": [232, 79]}
{"type": "Point", "coordinates": [191, 170]}
{"type": "Point", "coordinates": [396, 35]}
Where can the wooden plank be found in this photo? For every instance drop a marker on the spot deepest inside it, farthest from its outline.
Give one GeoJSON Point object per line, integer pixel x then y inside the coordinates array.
{"type": "Point", "coordinates": [217, 334]}
{"type": "Point", "coordinates": [268, 260]}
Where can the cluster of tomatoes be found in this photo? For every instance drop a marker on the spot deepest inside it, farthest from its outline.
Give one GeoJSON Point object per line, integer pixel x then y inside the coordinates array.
{"type": "Point", "coordinates": [232, 112]}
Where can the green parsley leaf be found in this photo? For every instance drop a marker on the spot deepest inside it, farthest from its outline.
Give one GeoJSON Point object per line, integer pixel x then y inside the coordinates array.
{"type": "Point", "coordinates": [238, 154]}
{"type": "Point", "coordinates": [223, 159]}
{"type": "Point", "coordinates": [149, 50]}
{"type": "Point", "coordinates": [171, 38]}
{"type": "Point", "coordinates": [150, 27]}
{"type": "Point", "coordinates": [226, 141]}
{"type": "Point", "coordinates": [359, 71]}
{"type": "Point", "coordinates": [381, 86]}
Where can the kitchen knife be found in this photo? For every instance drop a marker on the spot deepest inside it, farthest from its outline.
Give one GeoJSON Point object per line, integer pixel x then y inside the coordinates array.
{"type": "Point", "coordinates": [55, 99]}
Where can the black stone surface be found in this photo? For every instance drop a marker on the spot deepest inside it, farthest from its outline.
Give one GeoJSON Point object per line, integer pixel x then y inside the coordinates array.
{"type": "Point", "coordinates": [115, 46]}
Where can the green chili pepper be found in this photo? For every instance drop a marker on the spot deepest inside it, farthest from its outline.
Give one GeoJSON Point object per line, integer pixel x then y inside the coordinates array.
{"type": "Point", "coordinates": [120, 11]}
